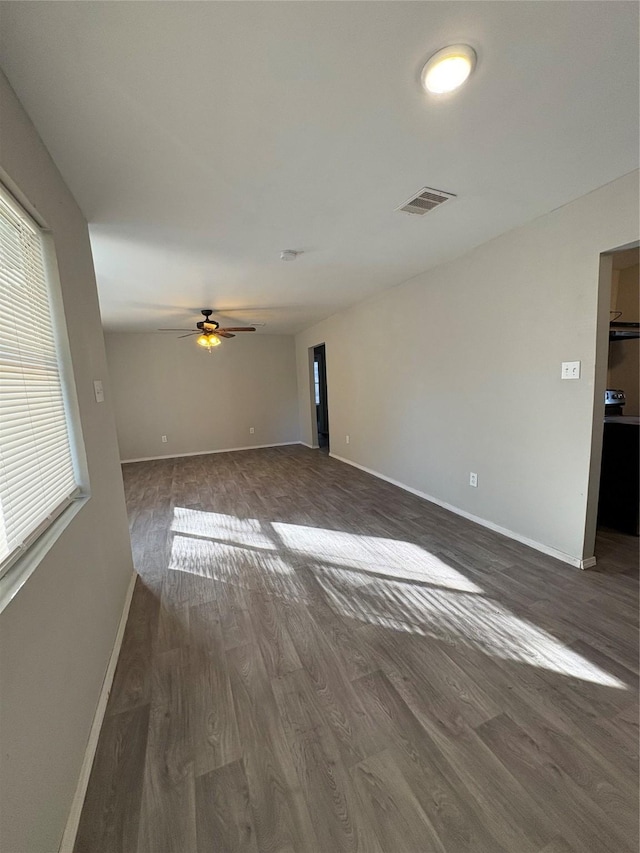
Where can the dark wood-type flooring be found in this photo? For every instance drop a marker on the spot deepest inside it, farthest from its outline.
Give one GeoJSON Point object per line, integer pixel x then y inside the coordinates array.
{"type": "Point", "coordinates": [316, 661]}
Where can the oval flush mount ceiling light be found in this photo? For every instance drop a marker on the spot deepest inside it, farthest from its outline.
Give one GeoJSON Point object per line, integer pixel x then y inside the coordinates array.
{"type": "Point", "coordinates": [448, 68]}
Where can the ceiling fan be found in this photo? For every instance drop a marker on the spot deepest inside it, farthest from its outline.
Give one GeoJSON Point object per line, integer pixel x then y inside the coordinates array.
{"type": "Point", "coordinates": [209, 331]}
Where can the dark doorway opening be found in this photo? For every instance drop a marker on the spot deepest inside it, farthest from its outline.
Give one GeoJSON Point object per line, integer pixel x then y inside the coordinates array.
{"type": "Point", "coordinates": [619, 495]}
{"type": "Point", "coordinates": [320, 391]}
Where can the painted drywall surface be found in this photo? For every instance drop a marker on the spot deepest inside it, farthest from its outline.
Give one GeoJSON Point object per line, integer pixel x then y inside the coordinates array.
{"type": "Point", "coordinates": [458, 370]}
{"type": "Point", "coordinates": [165, 385]}
{"type": "Point", "coordinates": [57, 634]}
{"type": "Point", "coordinates": [624, 365]}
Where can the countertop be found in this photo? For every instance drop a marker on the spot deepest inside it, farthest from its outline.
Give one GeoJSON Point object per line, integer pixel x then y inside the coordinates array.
{"type": "Point", "coordinates": [621, 419]}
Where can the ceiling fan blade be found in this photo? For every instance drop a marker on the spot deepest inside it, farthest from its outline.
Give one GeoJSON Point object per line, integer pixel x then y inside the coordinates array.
{"type": "Point", "coordinates": [177, 330]}
{"type": "Point", "coordinates": [238, 329]}
{"type": "Point", "coordinates": [223, 333]}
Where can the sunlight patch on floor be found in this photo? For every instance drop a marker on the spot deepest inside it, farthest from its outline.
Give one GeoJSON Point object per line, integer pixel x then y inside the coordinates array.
{"type": "Point", "coordinates": [375, 580]}
{"type": "Point", "coordinates": [377, 555]}
{"type": "Point", "coordinates": [243, 567]}
{"type": "Point", "coordinates": [218, 525]}
{"type": "Point", "coordinates": [458, 617]}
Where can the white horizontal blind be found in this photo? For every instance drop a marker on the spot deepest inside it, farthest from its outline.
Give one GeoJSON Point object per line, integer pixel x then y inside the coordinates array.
{"type": "Point", "coordinates": [37, 477]}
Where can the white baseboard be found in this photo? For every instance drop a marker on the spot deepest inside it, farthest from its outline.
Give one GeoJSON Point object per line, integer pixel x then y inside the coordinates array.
{"type": "Point", "coordinates": [310, 446]}
{"type": "Point", "coordinates": [208, 452]}
{"type": "Point", "coordinates": [73, 821]}
{"type": "Point", "coordinates": [587, 563]}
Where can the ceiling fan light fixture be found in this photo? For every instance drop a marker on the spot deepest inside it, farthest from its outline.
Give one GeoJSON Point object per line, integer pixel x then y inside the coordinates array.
{"type": "Point", "coordinates": [448, 69]}
{"type": "Point", "coordinates": [208, 341]}
{"type": "Point", "coordinates": [209, 331]}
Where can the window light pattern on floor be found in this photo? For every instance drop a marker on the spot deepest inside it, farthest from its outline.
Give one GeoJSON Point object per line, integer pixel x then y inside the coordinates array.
{"type": "Point", "coordinates": [376, 581]}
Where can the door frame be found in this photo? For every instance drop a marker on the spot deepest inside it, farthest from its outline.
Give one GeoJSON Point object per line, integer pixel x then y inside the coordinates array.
{"type": "Point", "coordinates": [312, 396]}
{"type": "Point", "coordinates": [599, 387]}
{"type": "Point", "coordinates": [315, 444]}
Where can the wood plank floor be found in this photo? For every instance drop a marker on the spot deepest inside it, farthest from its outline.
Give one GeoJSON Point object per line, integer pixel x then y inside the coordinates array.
{"type": "Point", "coordinates": [316, 661]}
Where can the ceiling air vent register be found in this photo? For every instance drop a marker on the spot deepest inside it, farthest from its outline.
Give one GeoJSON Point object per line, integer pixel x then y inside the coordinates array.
{"type": "Point", "coordinates": [425, 200]}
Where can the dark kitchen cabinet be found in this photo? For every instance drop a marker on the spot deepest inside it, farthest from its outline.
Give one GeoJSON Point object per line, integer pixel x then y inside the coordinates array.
{"type": "Point", "coordinates": [619, 477]}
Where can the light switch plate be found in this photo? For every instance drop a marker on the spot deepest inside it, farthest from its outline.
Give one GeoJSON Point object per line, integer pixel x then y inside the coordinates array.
{"type": "Point", "coordinates": [98, 391]}
{"type": "Point", "coordinates": [571, 370]}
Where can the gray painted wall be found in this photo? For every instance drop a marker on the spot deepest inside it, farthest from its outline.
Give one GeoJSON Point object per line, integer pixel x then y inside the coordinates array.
{"type": "Point", "coordinates": [57, 634]}
{"type": "Point", "coordinates": [458, 370]}
{"type": "Point", "coordinates": [201, 401]}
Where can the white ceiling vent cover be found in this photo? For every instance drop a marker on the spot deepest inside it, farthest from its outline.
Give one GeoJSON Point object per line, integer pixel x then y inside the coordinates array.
{"type": "Point", "coordinates": [425, 200]}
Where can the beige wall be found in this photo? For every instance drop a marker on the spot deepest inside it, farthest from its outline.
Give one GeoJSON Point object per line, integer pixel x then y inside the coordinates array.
{"type": "Point", "coordinates": [57, 634]}
{"type": "Point", "coordinates": [458, 370]}
{"type": "Point", "coordinates": [624, 356]}
{"type": "Point", "coordinates": [164, 385]}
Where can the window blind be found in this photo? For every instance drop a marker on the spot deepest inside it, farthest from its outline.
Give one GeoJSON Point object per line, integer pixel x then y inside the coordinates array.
{"type": "Point", "coordinates": [37, 476]}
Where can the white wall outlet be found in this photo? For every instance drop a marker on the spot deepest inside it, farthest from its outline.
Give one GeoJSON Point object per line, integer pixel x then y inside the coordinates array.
{"type": "Point", "coordinates": [347, 439]}
{"type": "Point", "coordinates": [252, 430]}
{"type": "Point", "coordinates": [98, 390]}
{"type": "Point", "coordinates": [473, 479]}
{"type": "Point", "coordinates": [571, 370]}
{"type": "Point", "coordinates": [164, 439]}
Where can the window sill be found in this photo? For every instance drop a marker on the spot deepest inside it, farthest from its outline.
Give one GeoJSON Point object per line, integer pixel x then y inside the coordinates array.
{"type": "Point", "coordinates": [19, 573]}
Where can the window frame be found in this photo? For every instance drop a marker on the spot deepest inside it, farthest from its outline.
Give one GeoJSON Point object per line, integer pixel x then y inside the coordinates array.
{"type": "Point", "coordinates": [20, 564]}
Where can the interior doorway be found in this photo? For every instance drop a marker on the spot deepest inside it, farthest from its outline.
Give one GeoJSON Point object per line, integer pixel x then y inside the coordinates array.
{"type": "Point", "coordinates": [613, 489]}
{"type": "Point", "coordinates": [320, 396]}
{"type": "Point", "coordinates": [618, 493]}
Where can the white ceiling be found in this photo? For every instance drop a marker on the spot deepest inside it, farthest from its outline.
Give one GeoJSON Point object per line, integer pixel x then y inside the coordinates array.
{"type": "Point", "coordinates": [202, 138]}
